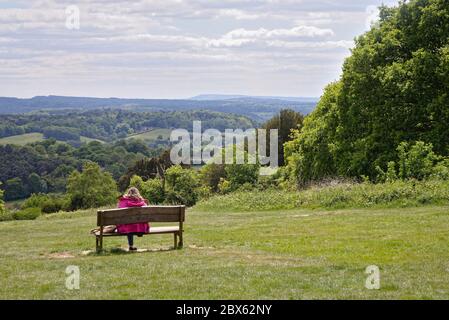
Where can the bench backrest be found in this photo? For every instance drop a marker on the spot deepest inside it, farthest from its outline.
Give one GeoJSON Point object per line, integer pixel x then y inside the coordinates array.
{"type": "Point", "coordinates": [141, 214]}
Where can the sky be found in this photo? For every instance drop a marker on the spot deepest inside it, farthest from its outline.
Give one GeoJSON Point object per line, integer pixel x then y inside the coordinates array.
{"type": "Point", "coordinates": [177, 48]}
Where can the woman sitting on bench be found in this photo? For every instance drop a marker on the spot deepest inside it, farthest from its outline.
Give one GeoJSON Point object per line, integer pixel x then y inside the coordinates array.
{"type": "Point", "coordinates": [132, 199]}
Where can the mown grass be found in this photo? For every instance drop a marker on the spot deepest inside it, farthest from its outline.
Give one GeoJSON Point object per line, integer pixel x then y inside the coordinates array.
{"type": "Point", "coordinates": [152, 135]}
{"type": "Point", "coordinates": [280, 254]}
{"type": "Point", "coordinates": [400, 194]}
{"type": "Point", "coordinates": [23, 139]}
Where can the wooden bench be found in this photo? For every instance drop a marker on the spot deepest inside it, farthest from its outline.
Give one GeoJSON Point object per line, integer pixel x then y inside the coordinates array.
{"type": "Point", "coordinates": [142, 215]}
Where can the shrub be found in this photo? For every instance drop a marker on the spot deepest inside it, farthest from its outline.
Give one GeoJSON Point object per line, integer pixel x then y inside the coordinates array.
{"type": "Point", "coordinates": [417, 161]}
{"type": "Point", "coordinates": [53, 205]}
{"type": "Point", "coordinates": [27, 214]}
{"type": "Point", "coordinates": [204, 192]}
{"type": "Point", "coordinates": [346, 195]}
{"type": "Point", "coordinates": [35, 201]}
{"type": "Point", "coordinates": [47, 203]}
{"type": "Point", "coordinates": [6, 216]}
{"type": "Point", "coordinates": [241, 174]}
{"type": "Point", "coordinates": [153, 190]}
{"type": "Point", "coordinates": [181, 186]}
{"type": "Point", "coordinates": [211, 174]}
{"type": "Point", "coordinates": [224, 186]}
{"type": "Point", "coordinates": [92, 188]}
{"type": "Point", "coordinates": [136, 182]}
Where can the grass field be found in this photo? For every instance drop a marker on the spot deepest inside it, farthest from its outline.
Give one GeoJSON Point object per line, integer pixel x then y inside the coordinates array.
{"type": "Point", "coordinates": [152, 135]}
{"type": "Point", "coordinates": [23, 139]}
{"type": "Point", "coordinates": [26, 138]}
{"type": "Point", "coordinates": [293, 254]}
{"type": "Point", "coordinates": [87, 140]}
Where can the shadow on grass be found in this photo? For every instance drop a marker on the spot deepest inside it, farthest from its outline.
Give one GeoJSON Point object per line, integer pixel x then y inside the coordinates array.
{"type": "Point", "coordinates": [121, 251]}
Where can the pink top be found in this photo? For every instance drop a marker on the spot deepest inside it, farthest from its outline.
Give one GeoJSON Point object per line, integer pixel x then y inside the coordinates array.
{"type": "Point", "coordinates": [125, 202]}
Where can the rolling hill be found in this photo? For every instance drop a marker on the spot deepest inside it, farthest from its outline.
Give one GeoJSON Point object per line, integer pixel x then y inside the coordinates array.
{"type": "Point", "coordinates": [257, 108]}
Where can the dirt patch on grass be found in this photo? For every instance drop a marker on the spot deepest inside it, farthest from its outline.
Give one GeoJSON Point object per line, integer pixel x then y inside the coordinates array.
{"type": "Point", "coordinates": [60, 255]}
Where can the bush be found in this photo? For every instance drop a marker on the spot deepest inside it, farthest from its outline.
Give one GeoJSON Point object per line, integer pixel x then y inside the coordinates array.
{"type": "Point", "coordinates": [417, 161]}
{"type": "Point", "coordinates": [27, 214]}
{"type": "Point", "coordinates": [35, 201]}
{"type": "Point", "coordinates": [224, 186]}
{"type": "Point", "coordinates": [211, 174]}
{"type": "Point", "coordinates": [92, 188]}
{"type": "Point", "coordinates": [241, 174]}
{"type": "Point", "coordinates": [344, 195]}
{"type": "Point", "coordinates": [153, 190]}
{"type": "Point", "coordinates": [53, 205]}
{"type": "Point", "coordinates": [47, 203]}
{"type": "Point", "coordinates": [204, 192]}
{"type": "Point", "coordinates": [181, 186]}
{"type": "Point", "coordinates": [6, 216]}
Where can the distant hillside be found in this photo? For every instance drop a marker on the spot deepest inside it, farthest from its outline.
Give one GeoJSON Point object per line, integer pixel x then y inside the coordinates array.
{"type": "Point", "coordinates": [257, 108]}
{"type": "Point", "coordinates": [218, 97]}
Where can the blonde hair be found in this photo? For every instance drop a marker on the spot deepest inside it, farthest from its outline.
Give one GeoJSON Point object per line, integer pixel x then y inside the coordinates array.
{"type": "Point", "coordinates": [133, 192]}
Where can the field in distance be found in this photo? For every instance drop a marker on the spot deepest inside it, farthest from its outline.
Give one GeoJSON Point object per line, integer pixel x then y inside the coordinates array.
{"type": "Point", "coordinates": [152, 135]}
{"type": "Point", "coordinates": [26, 138]}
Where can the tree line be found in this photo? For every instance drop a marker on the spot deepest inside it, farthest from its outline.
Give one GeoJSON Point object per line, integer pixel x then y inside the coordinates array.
{"type": "Point", "coordinates": [110, 125]}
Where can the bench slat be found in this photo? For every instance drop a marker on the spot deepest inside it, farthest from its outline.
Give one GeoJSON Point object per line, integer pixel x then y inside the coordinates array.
{"type": "Point", "coordinates": [153, 230]}
{"type": "Point", "coordinates": [140, 214]}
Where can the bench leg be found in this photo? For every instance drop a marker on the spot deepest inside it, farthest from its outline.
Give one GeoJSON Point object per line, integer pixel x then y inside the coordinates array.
{"type": "Point", "coordinates": [181, 243]}
{"type": "Point", "coordinates": [98, 244]}
{"type": "Point", "coordinates": [175, 235]}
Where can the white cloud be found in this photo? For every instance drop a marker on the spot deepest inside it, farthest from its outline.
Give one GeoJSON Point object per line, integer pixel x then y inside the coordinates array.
{"type": "Point", "coordinates": [177, 47]}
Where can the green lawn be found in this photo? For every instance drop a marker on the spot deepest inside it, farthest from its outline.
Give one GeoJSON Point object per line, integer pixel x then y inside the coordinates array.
{"type": "Point", "coordinates": [23, 139]}
{"type": "Point", "coordinates": [295, 254]}
{"type": "Point", "coordinates": [152, 135]}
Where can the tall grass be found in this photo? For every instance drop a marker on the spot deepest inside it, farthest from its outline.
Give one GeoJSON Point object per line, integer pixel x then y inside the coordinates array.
{"type": "Point", "coordinates": [345, 195]}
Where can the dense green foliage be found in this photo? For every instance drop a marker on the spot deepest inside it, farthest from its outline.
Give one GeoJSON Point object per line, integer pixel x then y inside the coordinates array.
{"type": "Point", "coordinates": [181, 185]}
{"type": "Point", "coordinates": [416, 161]}
{"type": "Point", "coordinates": [110, 125]}
{"type": "Point", "coordinates": [44, 166]}
{"type": "Point", "coordinates": [286, 121]}
{"type": "Point", "coordinates": [152, 189]}
{"type": "Point", "coordinates": [394, 88]}
{"type": "Point", "coordinates": [47, 203]}
{"type": "Point", "coordinates": [343, 195]}
{"type": "Point", "coordinates": [91, 188]}
{"type": "Point", "coordinates": [26, 214]}
{"type": "Point", "coordinates": [147, 168]}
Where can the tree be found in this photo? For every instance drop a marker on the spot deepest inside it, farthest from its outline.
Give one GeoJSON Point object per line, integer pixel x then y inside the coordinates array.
{"type": "Point", "coordinates": [91, 188]}
{"type": "Point", "coordinates": [36, 184]}
{"type": "Point", "coordinates": [286, 121]}
{"type": "Point", "coordinates": [15, 189]}
{"type": "Point", "coordinates": [393, 88]}
{"type": "Point", "coordinates": [310, 153]}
